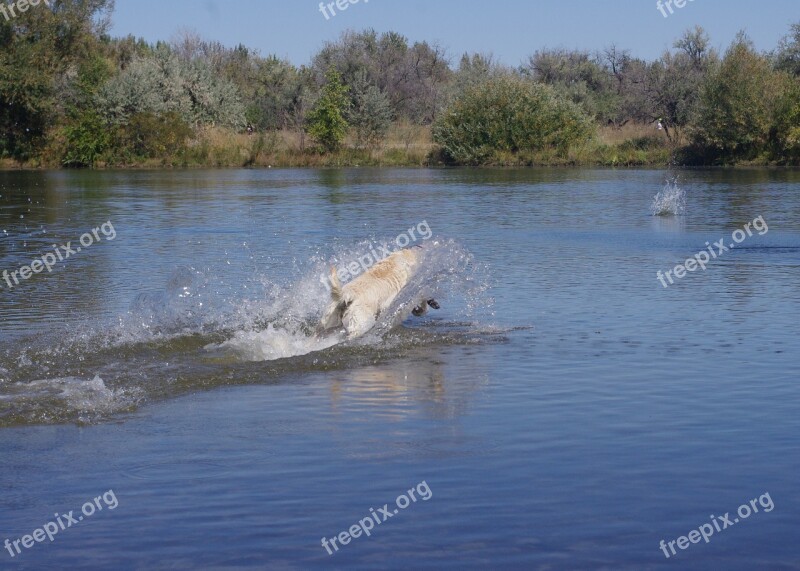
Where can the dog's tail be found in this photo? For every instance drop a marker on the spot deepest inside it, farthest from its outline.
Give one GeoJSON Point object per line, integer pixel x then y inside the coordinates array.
{"type": "Point", "coordinates": [336, 285]}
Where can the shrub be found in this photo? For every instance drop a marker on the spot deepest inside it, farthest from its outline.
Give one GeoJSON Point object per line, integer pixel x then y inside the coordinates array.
{"type": "Point", "coordinates": [162, 83]}
{"type": "Point", "coordinates": [737, 104]}
{"type": "Point", "coordinates": [88, 137]}
{"type": "Point", "coordinates": [505, 115]}
{"type": "Point", "coordinates": [370, 114]}
{"type": "Point", "coordinates": [785, 134]}
{"type": "Point", "coordinates": [326, 121]}
{"type": "Point", "coordinates": [151, 136]}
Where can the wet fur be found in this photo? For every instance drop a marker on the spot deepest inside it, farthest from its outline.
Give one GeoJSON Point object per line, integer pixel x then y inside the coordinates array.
{"type": "Point", "coordinates": [357, 305]}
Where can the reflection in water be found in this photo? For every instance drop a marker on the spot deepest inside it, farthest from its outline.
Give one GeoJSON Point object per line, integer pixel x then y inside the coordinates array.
{"type": "Point", "coordinates": [669, 224]}
{"type": "Point", "coordinates": [625, 400]}
{"type": "Point", "coordinates": [417, 384]}
{"type": "Point", "coordinates": [412, 407]}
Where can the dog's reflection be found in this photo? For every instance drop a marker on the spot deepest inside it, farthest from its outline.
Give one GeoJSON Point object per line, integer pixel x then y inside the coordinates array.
{"type": "Point", "coordinates": [418, 385]}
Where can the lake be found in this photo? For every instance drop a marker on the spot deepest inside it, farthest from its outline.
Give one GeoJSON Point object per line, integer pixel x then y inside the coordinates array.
{"type": "Point", "coordinates": [566, 408]}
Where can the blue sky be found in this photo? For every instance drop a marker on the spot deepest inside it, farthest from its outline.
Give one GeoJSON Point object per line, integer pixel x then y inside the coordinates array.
{"type": "Point", "coordinates": [510, 29]}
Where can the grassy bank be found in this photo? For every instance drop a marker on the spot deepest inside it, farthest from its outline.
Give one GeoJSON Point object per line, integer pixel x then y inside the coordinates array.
{"type": "Point", "coordinates": [405, 146]}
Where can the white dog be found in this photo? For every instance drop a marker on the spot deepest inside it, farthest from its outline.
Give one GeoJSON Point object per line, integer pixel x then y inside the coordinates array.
{"type": "Point", "coordinates": [357, 305]}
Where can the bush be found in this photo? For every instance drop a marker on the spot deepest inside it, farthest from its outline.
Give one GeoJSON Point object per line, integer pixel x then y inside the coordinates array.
{"type": "Point", "coordinates": [509, 115]}
{"type": "Point", "coordinates": [150, 136]}
{"type": "Point", "coordinates": [326, 123]}
{"type": "Point", "coordinates": [785, 134]}
{"type": "Point", "coordinates": [162, 83]}
{"type": "Point", "coordinates": [88, 137]}
{"type": "Point", "coordinates": [737, 106]}
{"type": "Point", "coordinates": [370, 113]}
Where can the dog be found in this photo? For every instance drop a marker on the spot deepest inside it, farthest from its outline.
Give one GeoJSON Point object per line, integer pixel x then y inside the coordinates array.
{"type": "Point", "coordinates": [357, 305]}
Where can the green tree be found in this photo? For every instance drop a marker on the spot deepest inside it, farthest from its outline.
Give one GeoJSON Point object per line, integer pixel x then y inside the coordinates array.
{"type": "Point", "coordinates": [669, 88]}
{"type": "Point", "coordinates": [39, 52]}
{"type": "Point", "coordinates": [512, 115]}
{"type": "Point", "coordinates": [412, 77]}
{"type": "Point", "coordinates": [88, 139]}
{"type": "Point", "coordinates": [737, 104]}
{"type": "Point", "coordinates": [326, 122]}
{"type": "Point", "coordinates": [785, 133]}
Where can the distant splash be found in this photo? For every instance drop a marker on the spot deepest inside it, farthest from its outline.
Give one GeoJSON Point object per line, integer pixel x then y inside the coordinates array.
{"type": "Point", "coordinates": [670, 200]}
{"type": "Point", "coordinates": [203, 330]}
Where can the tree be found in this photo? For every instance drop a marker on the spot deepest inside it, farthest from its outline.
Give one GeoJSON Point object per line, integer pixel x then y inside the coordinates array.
{"type": "Point", "coordinates": [413, 78]}
{"type": "Point", "coordinates": [301, 98]}
{"type": "Point", "coordinates": [370, 113]}
{"type": "Point", "coordinates": [474, 70]}
{"type": "Point", "coordinates": [737, 104]}
{"type": "Point", "coordinates": [669, 88]}
{"type": "Point", "coordinates": [326, 122]}
{"type": "Point", "coordinates": [695, 44]}
{"type": "Point", "coordinates": [269, 92]}
{"type": "Point", "coordinates": [39, 50]}
{"type": "Point", "coordinates": [509, 114]}
{"type": "Point", "coordinates": [582, 78]}
{"type": "Point", "coordinates": [165, 82]}
{"type": "Point", "coordinates": [788, 55]}
{"type": "Point", "coordinates": [785, 132]}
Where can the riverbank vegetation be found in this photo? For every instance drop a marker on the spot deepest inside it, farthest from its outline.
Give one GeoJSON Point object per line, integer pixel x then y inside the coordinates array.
{"type": "Point", "coordinates": [72, 96]}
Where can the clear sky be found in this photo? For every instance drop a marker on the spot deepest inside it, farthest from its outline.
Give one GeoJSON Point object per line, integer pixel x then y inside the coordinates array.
{"type": "Point", "coordinates": [510, 29]}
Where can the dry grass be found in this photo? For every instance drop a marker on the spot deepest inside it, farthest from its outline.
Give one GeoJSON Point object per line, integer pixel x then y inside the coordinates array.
{"type": "Point", "coordinates": [405, 145]}
{"type": "Point", "coordinates": [616, 136]}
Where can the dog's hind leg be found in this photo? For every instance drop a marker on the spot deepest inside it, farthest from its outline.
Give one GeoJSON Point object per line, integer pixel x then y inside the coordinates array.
{"type": "Point", "coordinates": [332, 317]}
{"type": "Point", "coordinates": [357, 321]}
{"type": "Point", "coordinates": [422, 308]}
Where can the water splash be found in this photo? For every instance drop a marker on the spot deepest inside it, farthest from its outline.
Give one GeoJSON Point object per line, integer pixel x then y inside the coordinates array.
{"type": "Point", "coordinates": [286, 324]}
{"type": "Point", "coordinates": [271, 344]}
{"type": "Point", "coordinates": [204, 330]}
{"type": "Point", "coordinates": [51, 400]}
{"type": "Point", "coordinates": [670, 200]}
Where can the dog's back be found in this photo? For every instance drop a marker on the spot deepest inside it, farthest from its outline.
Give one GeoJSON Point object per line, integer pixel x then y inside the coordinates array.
{"type": "Point", "coordinates": [358, 304]}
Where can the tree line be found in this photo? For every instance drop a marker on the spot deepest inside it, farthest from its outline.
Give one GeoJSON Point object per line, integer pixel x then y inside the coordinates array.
{"type": "Point", "coordinates": [72, 95]}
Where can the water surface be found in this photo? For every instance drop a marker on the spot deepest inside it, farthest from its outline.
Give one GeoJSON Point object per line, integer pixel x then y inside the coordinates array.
{"type": "Point", "coordinates": [565, 409]}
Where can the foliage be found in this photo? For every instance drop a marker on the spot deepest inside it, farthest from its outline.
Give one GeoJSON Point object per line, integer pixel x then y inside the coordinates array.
{"type": "Point", "coordinates": [326, 122]}
{"type": "Point", "coordinates": [72, 95]}
{"type": "Point", "coordinates": [785, 133]}
{"type": "Point", "coordinates": [581, 77]}
{"type": "Point", "coordinates": [38, 49]}
{"type": "Point", "coordinates": [413, 77]}
{"type": "Point", "coordinates": [737, 105]}
{"type": "Point", "coordinates": [511, 115]}
{"type": "Point", "coordinates": [88, 138]}
{"type": "Point", "coordinates": [788, 56]}
{"type": "Point", "coordinates": [164, 82]}
{"type": "Point", "coordinates": [370, 113]}
{"type": "Point", "coordinates": [150, 136]}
